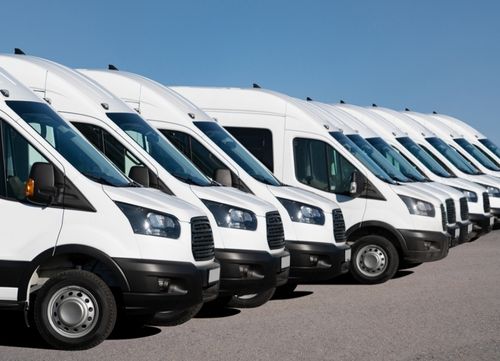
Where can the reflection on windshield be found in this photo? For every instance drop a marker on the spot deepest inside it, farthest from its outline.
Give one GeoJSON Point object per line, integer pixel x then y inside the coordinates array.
{"type": "Point", "coordinates": [159, 148]}
{"type": "Point", "coordinates": [69, 143]}
{"type": "Point", "coordinates": [491, 146]}
{"type": "Point", "coordinates": [362, 157]}
{"type": "Point", "coordinates": [424, 157]}
{"type": "Point", "coordinates": [237, 152]}
{"type": "Point", "coordinates": [476, 153]}
{"type": "Point", "coordinates": [453, 156]}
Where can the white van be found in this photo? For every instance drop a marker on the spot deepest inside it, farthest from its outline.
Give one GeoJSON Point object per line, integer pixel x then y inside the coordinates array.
{"type": "Point", "coordinates": [476, 138]}
{"type": "Point", "coordinates": [248, 232]}
{"type": "Point", "coordinates": [386, 222]}
{"type": "Point", "coordinates": [314, 226]}
{"type": "Point", "coordinates": [353, 122]}
{"type": "Point", "coordinates": [386, 125]}
{"type": "Point", "coordinates": [80, 241]}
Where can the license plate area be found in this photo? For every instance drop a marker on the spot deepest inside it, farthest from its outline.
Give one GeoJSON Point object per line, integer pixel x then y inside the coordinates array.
{"type": "Point", "coordinates": [457, 232]}
{"type": "Point", "coordinates": [213, 275]}
{"type": "Point", "coordinates": [492, 221]}
{"type": "Point", "coordinates": [285, 262]}
{"type": "Point", "coordinates": [469, 228]}
{"type": "Point", "coordinates": [348, 255]}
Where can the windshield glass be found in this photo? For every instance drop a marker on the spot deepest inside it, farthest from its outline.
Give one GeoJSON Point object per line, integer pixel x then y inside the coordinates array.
{"type": "Point", "coordinates": [491, 146]}
{"type": "Point", "coordinates": [69, 143]}
{"type": "Point", "coordinates": [362, 157]}
{"type": "Point", "coordinates": [378, 158]}
{"type": "Point", "coordinates": [424, 157]}
{"type": "Point", "coordinates": [476, 153]}
{"type": "Point", "coordinates": [159, 148]}
{"type": "Point", "coordinates": [397, 160]}
{"type": "Point", "coordinates": [453, 156]}
{"type": "Point", "coordinates": [237, 152]}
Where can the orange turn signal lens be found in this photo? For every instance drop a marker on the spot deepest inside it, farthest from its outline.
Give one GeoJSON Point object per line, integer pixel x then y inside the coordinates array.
{"type": "Point", "coordinates": [29, 189]}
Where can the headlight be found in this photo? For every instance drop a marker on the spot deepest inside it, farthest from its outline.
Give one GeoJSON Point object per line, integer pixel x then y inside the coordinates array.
{"type": "Point", "coordinates": [492, 191]}
{"type": "Point", "coordinates": [150, 222]}
{"type": "Point", "coordinates": [470, 195]}
{"type": "Point", "coordinates": [419, 207]}
{"type": "Point", "coordinates": [232, 217]}
{"type": "Point", "coordinates": [303, 213]}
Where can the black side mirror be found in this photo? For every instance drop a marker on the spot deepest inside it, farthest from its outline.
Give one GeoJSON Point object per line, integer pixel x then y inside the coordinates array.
{"type": "Point", "coordinates": [357, 185]}
{"type": "Point", "coordinates": [41, 186]}
{"type": "Point", "coordinates": [223, 176]}
{"type": "Point", "coordinates": [140, 174]}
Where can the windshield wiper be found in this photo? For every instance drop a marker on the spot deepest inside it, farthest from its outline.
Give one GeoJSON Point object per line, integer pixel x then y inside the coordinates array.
{"type": "Point", "coordinates": [262, 179]}
{"type": "Point", "coordinates": [98, 179]}
{"type": "Point", "coordinates": [186, 179]}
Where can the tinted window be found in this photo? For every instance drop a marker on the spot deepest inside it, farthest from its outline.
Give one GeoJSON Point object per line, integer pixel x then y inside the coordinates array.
{"type": "Point", "coordinates": [477, 154]}
{"type": "Point", "coordinates": [491, 146]}
{"type": "Point", "coordinates": [453, 156]}
{"type": "Point", "coordinates": [258, 141]}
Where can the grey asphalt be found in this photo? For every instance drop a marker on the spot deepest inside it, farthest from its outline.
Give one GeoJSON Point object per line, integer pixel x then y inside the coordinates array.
{"type": "Point", "coordinates": [446, 310]}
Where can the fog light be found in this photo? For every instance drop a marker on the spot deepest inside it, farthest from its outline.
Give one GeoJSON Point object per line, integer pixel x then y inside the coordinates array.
{"type": "Point", "coordinates": [163, 284]}
{"type": "Point", "coordinates": [313, 260]}
{"type": "Point", "coordinates": [427, 244]}
{"type": "Point", "coordinates": [244, 271]}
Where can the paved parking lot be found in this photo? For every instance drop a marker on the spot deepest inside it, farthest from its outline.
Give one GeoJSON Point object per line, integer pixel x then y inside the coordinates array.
{"type": "Point", "coordinates": [447, 310]}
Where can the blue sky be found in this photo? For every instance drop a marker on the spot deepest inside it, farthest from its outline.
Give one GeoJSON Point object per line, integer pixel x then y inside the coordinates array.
{"type": "Point", "coordinates": [425, 55]}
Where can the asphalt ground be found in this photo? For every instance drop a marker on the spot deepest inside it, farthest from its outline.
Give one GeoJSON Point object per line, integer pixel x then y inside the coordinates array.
{"type": "Point", "coordinates": [445, 310]}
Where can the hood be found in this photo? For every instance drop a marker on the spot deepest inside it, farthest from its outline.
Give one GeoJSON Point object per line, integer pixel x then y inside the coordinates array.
{"type": "Point", "coordinates": [465, 184]}
{"type": "Point", "coordinates": [303, 196]}
{"type": "Point", "coordinates": [234, 197]}
{"type": "Point", "coordinates": [415, 192]}
{"type": "Point", "coordinates": [452, 192]}
{"type": "Point", "coordinates": [487, 180]}
{"type": "Point", "coordinates": [430, 191]}
{"type": "Point", "coordinates": [155, 200]}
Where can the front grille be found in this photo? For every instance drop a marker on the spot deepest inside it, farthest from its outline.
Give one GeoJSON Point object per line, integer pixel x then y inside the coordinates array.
{"type": "Point", "coordinates": [450, 211]}
{"type": "Point", "coordinates": [202, 239]}
{"type": "Point", "coordinates": [443, 217]}
{"type": "Point", "coordinates": [486, 202]}
{"type": "Point", "coordinates": [275, 232]}
{"type": "Point", "coordinates": [338, 226]}
{"type": "Point", "coordinates": [464, 209]}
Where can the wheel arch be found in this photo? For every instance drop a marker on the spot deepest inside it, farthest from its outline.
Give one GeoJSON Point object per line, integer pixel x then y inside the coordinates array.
{"type": "Point", "coordinates": [378, 228]}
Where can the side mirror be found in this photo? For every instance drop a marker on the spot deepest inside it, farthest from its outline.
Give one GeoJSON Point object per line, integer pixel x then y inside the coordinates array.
{"type": "Point", "coordinates": [357, 185]}
{"type": "Point", "coordinates": [41, 186]}
{"type": "Point", "coordinates": [143, 176]}
{"type": "Point", "coordinates": [223, 176]}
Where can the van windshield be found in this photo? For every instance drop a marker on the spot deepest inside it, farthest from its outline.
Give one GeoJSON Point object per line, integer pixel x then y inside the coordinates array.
{"type": "Point", "coordinates": [424, 157]}
{"type": "Point", "coordinates": [237, 152]}
{"type": "Point", "coordinates": [453, 156]}
{"type": "Point", "coordinates": [69, 143]}
{"type": "Point", "coordinates": [491, 146]}
{"type": "Point", "coordinates": [477, 154]}
{"type": "Point", "coordinates": [172, 160]}
{"type": "Point", "coordinates": [362, 157]}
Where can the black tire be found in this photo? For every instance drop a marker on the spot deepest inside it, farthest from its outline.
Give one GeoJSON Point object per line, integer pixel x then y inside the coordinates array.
{"type": "Point", "coordinates": [251, 301]}
{"type": "Point", "coordinates": [285, 290]}
{"type": "Point", "coordinates": [408, 265]}
{"type": "Point", "coordinates": [69, 292]}
{"type": "Point", "coordinates": [175, 318]}
{"type": "Point", "coordinates": [374, 259]}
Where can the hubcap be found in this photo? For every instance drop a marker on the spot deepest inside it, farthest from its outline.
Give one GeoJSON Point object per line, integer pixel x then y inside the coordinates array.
{"type": "Point", "coordinates": [73, 311]}
{"type": "Point", "coordinates": [371, 260]}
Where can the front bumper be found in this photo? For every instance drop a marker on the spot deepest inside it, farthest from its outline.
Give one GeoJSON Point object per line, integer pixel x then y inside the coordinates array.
{"type": "Point", "coordinates": [482, 223]}
{"type": "Point", "coordinates": [246, 272]}
{"type": "Point", "coordinates": [188, 285]}
{"type": "Point", "coordinates": [424, 246]}
{"type": "Point", "coordinates": [466, 231]}
{"type": "Point", "coordinates": [316, 261]}
{"type": "Point", "coordinates": [454, 232]}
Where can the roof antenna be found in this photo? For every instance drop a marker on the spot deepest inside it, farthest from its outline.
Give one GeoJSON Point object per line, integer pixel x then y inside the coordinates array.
{"type": "Point", "coordinates": [112, 67]}
{"type": "Point", "coordinates": [309, 99]}
{"type": "Point", "coordinates": [407, 110]}
{"type": "Point", "coordinates": [255, 86]}
{"type": "Point", "coordinates": [342, 102]}
{"type": "Point", "coordinates": [18, 51]}
{"type": "Point", "coordinates": [374, 105]}
{"type": "Point", "coordinates": [434, 112]}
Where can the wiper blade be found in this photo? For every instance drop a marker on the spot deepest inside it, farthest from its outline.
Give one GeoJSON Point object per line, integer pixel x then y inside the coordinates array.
{"type": "Point", "coordinates": [97, 179]}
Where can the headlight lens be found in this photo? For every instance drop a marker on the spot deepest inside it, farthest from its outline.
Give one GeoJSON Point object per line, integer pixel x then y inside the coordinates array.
{"type": "Point", "coordinates": [232, 217]}
{"type": "Point", "coordinates": [150, 222]}
{"type": "Point", "coordinates": [419, 207]}
{"type": "Point", "coordinates": [303, 213]}
{"type": "Point", "coordinates": [470, 195]}
{"type": "Point", "coordinates": [492, 191]}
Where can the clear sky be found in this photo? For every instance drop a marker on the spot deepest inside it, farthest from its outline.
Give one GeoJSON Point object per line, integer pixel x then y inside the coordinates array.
{"type": "Point", "coordinates": [427, 55]}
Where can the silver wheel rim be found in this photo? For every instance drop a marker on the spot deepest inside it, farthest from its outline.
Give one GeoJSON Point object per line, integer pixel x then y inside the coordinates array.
{"type": "Point", "coordinates": [73, 312]}
{"type": "Point", "coordinates": [246, 297]}
{"type": "Point", "coordinates": [371, 260]}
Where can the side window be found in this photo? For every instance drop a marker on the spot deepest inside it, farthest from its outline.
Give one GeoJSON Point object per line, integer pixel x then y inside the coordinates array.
{"type": "Point", "coordinates": [18, 157]}
{"type": "Point", "coordinates": [319, 165]}
{"type": "Point", "coordinates": [258, 141]}
{"type": "Point", "coordinates": [436, 159]}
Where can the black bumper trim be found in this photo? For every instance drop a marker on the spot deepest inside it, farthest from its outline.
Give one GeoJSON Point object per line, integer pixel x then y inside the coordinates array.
{"type": "Point", "coordinates": [246, 271]}
{"type": "Point", "coordinates": [329, 260]}
{"type": "Point", "coordinates": [465, 235]}
{"type": "Point", "coordinates": [481, 222]}
{"type": "Point", "coordinates": [188, 285]}
{"type": "Point", "coordinates": [416, 249]}
{"type": "Point", "coordinates": [451, 231]}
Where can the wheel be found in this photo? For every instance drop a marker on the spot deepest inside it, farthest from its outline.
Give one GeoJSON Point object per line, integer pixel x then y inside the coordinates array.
{"type": "Point", "coordinates": [286, 290]}
{"type": "Point", "coordinates": [251, 301]}
{"type": "Point", "coordinates": [408, 265]}
{"type": "Point", "coordinates": [75, 310]}
{"type": "Point", "coordinates": [174, 318]}
{"type": "Point", "coordinates": [374, 259]}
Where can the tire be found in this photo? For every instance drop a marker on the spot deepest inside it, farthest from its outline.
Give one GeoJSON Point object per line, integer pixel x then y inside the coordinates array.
{"type": "Point", "coordinates": [175, 318]}
{"type": "Point", "coordinates": [75, 310]}
{"type": "Point", "coordinates": [251, 301]}
{"type": "Point", "coordinates": [285, 290]}
{"type": "Point", "coordinates": [408, 265]}
{"type": "Point", "coordinates": [374, 260]}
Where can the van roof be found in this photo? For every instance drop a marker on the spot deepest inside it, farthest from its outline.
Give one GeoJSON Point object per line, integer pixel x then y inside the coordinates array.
{"type": "Point", "coordinates": [460, 126]}
{"type": "Point", "coordinates": [13, 89]}
{"type": "Point", "coordinates": [258, 101]}
{"type": "Point", "coordinates": [153, 100]}
{"type": "Point", "coordinates": [66, 89]}
{"type": "Point", "coordinates": [421, 123]}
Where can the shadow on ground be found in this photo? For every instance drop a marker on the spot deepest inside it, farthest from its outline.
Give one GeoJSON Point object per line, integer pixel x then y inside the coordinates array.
{"type": "Point", "coordinates": [347, 279]}
{"type": "Point", "coordinates": [290, 296]}
{"type": "Point", "coordinates": [216, 312]}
